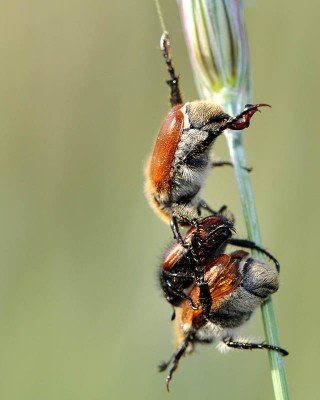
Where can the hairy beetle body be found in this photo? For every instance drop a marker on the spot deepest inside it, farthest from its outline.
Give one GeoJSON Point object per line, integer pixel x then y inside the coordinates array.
{"type": "Point", "coordinates": [238, 284]}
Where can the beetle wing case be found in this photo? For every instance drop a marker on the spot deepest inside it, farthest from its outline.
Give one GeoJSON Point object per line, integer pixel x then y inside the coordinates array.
{"type": "Point", "coordinates": [238, 284]}
{"type": "Point", "coordinates": [159, 165]}
{"type": "Point", "coordinates": [164, 151]}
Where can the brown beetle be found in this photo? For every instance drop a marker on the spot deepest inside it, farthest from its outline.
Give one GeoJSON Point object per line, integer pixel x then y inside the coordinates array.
{"type": "Point", "coordinates": [180, 161]}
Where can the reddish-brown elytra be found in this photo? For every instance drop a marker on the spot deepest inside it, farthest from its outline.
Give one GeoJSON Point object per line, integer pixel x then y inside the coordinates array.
{"type": "Point", "coordinates": [165, 149]}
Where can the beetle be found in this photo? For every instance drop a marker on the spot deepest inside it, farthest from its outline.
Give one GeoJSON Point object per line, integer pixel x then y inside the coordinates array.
{"type": "Point", "coordinates": [180, 162]}
{"type": "Point", "coordinates": [182, 266]}
{"type": "Point", "coordinates": [238, 284]}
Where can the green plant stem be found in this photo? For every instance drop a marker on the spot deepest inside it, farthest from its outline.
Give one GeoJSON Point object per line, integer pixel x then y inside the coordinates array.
{"type": "Point", "coordinates": [238, 159]}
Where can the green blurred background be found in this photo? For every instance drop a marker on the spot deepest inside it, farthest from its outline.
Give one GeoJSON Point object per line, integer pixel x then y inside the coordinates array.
{"type": "Point", "coordinates": [82, 96]}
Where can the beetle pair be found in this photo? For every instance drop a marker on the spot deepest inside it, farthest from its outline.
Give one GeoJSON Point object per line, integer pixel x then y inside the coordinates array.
{"type": "Point", "coordinates": [214, 292]}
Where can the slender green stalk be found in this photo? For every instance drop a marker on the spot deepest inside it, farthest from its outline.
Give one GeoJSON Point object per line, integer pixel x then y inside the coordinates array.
{"type": "Point", "coordinates": [238, 158]}
{"type": "Point", "coordinates": [218, 49]}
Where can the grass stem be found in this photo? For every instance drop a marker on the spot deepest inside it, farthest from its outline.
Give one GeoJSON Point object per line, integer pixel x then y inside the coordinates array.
{"type": "Point", "coordinates": [238, 159]}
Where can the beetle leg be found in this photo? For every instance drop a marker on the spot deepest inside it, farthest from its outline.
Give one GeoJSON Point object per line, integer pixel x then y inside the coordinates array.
{"type": "Point", "coordinates": [242, 120]}
{"type": "Point", "coordinates": [205, 206]}
{"type": "Point", "coordinates": [204, 295]}
{"type": "Point", "coordinates": [250, 346]}
{"type": "Point", "coordinates": [176, 231]}
{"type": "Point", "coordinates": [248, 244]}
{"type": "Point", "coordinates": [223, 163]}
{"type": "Point", "coordinates": [175, 358]}
{"type": "Point", "coordinates": [173, 82]}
